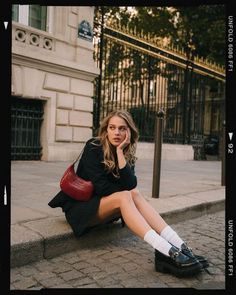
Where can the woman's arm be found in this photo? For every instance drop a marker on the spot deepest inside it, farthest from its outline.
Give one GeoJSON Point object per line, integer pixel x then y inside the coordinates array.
{"type": "Point", "coordinates": [95, 171]}
{"type": "Point", "coordinates": [128, 178]}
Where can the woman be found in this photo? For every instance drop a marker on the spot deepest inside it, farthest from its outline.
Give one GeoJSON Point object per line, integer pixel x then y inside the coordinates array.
{"type": "Point", "coordinates": [108, 161]}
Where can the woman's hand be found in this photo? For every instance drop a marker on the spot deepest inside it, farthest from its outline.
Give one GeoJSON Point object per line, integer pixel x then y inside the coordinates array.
{"type": "Point", "coordinates": [125, 142]}
{"type": "Point", "coordinates": [120, 148]}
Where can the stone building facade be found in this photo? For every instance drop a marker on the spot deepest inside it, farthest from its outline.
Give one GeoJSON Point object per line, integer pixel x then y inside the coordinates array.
{"type": "Point", "coordinates": [52, 61]}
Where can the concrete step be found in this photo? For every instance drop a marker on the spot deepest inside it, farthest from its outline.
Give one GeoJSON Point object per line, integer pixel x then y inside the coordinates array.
{"type": "Point", "coordinates": [49, 237]}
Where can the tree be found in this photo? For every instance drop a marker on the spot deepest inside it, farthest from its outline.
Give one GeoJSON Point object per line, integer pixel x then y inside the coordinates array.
{"type": "Point", "coordinates": [202, 30]}
{"type": "Point", "coordinates": [199, 30]}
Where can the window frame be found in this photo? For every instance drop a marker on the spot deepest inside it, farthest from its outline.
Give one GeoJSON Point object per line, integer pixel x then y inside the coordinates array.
{"type": "Point", "coordinates": [23, 17]}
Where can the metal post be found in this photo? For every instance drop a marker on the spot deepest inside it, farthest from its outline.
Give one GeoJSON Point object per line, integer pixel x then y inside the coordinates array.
{"type": "Point", "coordinates": [157, 154]}
{"type": "Point", "coordinates": [223, 156]}
{"type": "Point", "coordinates": [99, 89]}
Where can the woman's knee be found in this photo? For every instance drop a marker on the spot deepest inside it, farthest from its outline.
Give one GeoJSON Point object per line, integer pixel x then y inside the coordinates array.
{"type": "Point", "coordinates": [121, 198]}
{"type": "Point", "coordinates": [136, 195]}
{"type": "Point", "coordinates": [125, 197]}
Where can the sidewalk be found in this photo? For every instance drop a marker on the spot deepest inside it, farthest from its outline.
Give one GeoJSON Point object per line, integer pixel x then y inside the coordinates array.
{"type": "Point", "coordinates": [188, 189]}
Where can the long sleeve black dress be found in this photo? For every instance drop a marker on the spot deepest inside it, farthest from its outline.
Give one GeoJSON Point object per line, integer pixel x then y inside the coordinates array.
{"type": "Point", "coordinates": [79, 213]}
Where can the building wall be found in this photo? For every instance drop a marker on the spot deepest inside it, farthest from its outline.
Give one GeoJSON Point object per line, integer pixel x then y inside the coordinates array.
{"type": "Point", "coordinates": [57, 67]}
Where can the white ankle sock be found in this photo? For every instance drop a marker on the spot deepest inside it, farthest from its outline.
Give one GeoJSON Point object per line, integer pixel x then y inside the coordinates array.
{"type": "Point", "coordinates": [157, 242]}
{"type": "Point", "coordinates": [171, 236]}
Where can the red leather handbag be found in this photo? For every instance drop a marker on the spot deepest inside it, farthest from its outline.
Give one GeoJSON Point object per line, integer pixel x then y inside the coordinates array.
{"type": "Point", "coordinates": [75, 186]}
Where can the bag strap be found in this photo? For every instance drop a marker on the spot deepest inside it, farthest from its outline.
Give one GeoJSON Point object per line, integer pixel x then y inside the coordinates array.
{"type": "Point", "coordinates": [79, 156]}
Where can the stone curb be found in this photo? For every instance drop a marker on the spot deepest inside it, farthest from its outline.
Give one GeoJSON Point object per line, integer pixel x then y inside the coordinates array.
{"type": "Point", "coordinates": [50, 237]}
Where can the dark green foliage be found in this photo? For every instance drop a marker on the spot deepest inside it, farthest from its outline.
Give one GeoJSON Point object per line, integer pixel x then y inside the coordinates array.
{"type": "Point", "coordinates": [199, 30]}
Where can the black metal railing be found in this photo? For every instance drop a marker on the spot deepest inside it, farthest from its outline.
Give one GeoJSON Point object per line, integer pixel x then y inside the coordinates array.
{"type": "Point", "coordinates": [26, 119]}
{"type": "Point", "coordinates": [143, 78]}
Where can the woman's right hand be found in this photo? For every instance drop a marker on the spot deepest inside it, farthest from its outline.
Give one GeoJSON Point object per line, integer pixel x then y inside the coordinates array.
{"type": "Point", "coordinates": [125, 142]}
{"type": "Point", "coordinates": [120, 148]}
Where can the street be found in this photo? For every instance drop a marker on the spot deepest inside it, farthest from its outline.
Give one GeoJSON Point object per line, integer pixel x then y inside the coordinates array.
{"type": "Point", "coordinates": [129, 262]}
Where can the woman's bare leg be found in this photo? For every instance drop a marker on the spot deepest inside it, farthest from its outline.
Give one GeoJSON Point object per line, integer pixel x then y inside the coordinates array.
{"type": "Point", "coordinates": [123, 202]}
{"type": "Point", "coordinates": [151, 216]}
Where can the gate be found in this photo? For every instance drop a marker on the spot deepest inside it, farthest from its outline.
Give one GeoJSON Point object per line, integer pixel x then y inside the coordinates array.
{"type": "Point", "coordinates": [26, 119]}
{"type": "Point", "coordinates": [140, 75]}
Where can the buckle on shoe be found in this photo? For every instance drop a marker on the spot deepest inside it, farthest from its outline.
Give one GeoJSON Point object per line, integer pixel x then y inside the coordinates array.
{"type": "Point", "coordinates": [186, 247]}
{"type": "Point", "coordinates": [176, 254]}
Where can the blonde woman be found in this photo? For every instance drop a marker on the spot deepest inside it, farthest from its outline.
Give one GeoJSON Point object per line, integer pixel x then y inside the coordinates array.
{"type": "Point", "coordinates": [108, 161]}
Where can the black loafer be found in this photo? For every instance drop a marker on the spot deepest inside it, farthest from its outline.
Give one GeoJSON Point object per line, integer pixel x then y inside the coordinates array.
{"type": "Point", "coordinates": [177, 263]}
{"type": "Point", "coordinates": [188, 252]}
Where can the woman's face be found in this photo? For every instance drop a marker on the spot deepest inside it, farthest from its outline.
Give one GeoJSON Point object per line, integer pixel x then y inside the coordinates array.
{"type": "Point", "coordinates": [116, 130]}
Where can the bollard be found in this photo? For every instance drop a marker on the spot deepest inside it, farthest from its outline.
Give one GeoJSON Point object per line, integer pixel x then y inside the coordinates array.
{"type": "Point", "coordinates": [157, 154]}
{"type": "Point", "coordinates": [223, 156]}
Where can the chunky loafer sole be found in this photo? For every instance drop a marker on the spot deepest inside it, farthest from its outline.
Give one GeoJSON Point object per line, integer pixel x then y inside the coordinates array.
{"type": "Point", "coordinates": [165, 267]}
{"type": "Point", "coordinates": [176, 263]}
{"type": "Point", "coordinates": [188, 252]}
{"type": "Point", "coordinates": [202, 261]}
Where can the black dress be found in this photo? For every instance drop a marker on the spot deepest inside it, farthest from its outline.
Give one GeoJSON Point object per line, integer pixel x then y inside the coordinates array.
{"type": "Point", "coordinates": [78, 213]}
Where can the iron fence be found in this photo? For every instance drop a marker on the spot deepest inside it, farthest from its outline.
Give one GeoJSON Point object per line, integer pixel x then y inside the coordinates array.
{"type": "Point", "coordinates": [26, 119]}
{"type": "Point", "coordinates": [138, 75]}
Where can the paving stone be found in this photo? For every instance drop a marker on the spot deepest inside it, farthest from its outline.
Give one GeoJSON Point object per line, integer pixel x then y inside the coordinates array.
{"type": "Point", "coordinates": [36, 288]}
{"type": "Point", "coordinates": [119, 260]}
{"type": "Point", "coordinates": [107, 282]}
{"type": "Point", "coordinates": [130, 266]}
{"type": "Point", "coordinates": [112, 286]}
{"type": "Point", "coordinates": [71, 275]}
{"type": "Point", "coordinates": [211, 285]}
{"type": "Point", "coordinates": [90, 269]}
{"type": "Point", "coordinates": [80, 265]}
{"type": "Point", "coordinates": [89, 286]}
{"type": "Point", "coordinates": [111, 268]}
{"type": "Point", "coordinates": [25, 283]}
{"type": "Point", "coordinates": [44, 265]}
{"type": "Point", "coordinates": [15, 270]}
{"type": "Point", "coordinates": [83, 281]}
{"type": "Point", "coordinates": [28, 270]}
{"type": "Point", "coordinates": [99, 275]}
{"type": "Point", "coordinates": [132, 283]}
{"type": "Point", "coordinates": [110, 255]}
{"type": "Point", "coordinates": [129, 263]}
{"type": "Point", "coordinates": [62, 268]}
{"type": "Point", "coordinates": [101, 252]}
{"type": "Point", "coordinates": [73, 259]}
{"type": "Point", "coordinates": [63, 286]}
{"type": "Point", "coordinates": [16, 277]}
{"type": "Point", "coordinates": [51, 282]}
{"type": "Point", "coordinates": [98, 261]}
{"type": "Point", "coordinates": [44, 275]}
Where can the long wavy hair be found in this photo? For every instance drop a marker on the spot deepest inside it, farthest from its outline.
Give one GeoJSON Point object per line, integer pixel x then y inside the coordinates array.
{"type": "Point", "coordinates": [110, 156]}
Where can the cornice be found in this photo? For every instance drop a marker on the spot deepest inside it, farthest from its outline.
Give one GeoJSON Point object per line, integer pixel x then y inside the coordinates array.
{"type": "Point", "coordinates": [69, 69]}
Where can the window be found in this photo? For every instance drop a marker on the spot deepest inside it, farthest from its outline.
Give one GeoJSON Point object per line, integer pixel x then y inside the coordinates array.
{"type": "Point", "coordinates": [37, 17]}
{"type": "Point", "coordinates": [31, 15]}
{"type": "Point", "coordinates": [15, 12]}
